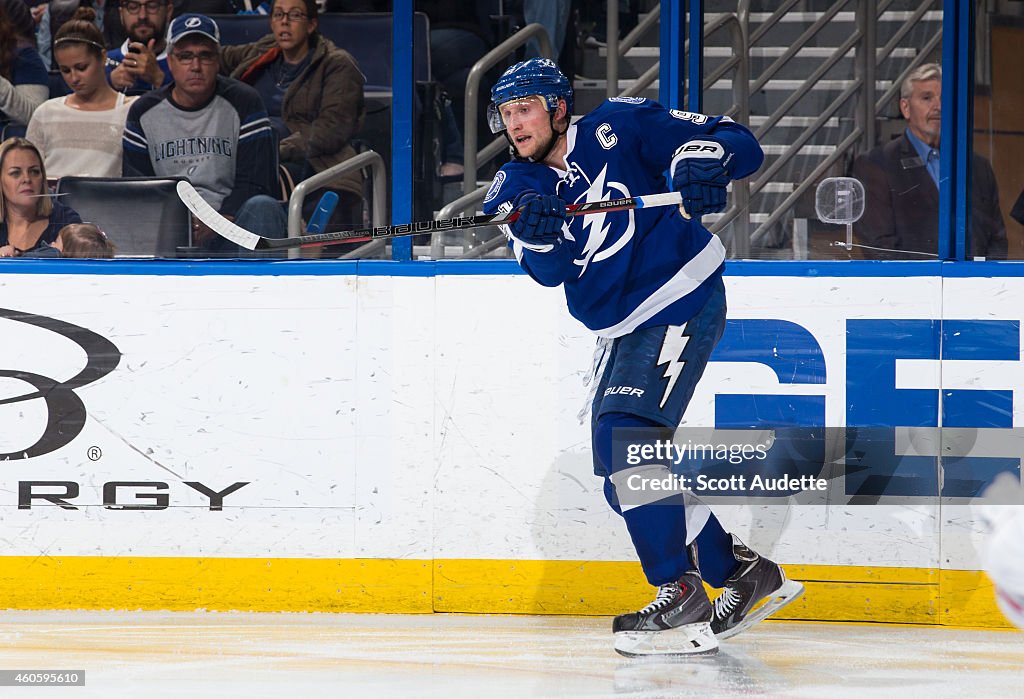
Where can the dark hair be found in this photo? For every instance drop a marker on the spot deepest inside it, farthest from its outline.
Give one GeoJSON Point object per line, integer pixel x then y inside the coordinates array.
{"type": "Point", "coordinates": [311, 8]}
{"type": "Point", "coordinates": [17, 28]}
{"type": "Point", "coordinates": [81, 29]}
{"type": "Point", "coordinates": [19, 17]}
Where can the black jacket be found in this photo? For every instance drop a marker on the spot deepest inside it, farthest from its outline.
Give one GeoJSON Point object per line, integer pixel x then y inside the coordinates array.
{"type": "Point", "coordinates": [902, 207]}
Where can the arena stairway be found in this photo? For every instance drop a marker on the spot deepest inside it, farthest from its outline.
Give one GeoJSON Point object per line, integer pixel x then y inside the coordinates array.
{"type": "Point", "coordinates": [768, 95]}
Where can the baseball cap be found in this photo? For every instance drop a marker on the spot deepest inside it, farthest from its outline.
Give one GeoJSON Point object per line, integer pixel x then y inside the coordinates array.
{"type": "Point", "coordinates": [192, 24]}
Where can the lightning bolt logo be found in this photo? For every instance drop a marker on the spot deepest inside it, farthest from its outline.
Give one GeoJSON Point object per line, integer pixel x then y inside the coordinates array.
{"type": "Point", "coordinates": [598, 231]}
{"type": "Point", "coordinates": [596, 226]}
{"type": "Point", "coordinates": [671, 356]}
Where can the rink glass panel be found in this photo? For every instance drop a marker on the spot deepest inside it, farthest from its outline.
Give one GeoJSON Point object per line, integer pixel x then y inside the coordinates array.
{"type": "Point", "coordinates": [999, 111]}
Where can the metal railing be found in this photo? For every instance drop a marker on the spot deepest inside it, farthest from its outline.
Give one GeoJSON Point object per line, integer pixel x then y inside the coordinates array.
{"type": "Point", "coordinates": [739, 209]}
{"type": "Point", "coordinates": [467, 202]}
{"type": "Point", "coordinates": [369, 159]}
{"type": "Point", "coordinates": [863, 85]}
{"type": "Point", "coordinates": [861, 90]}
{"type": "Point", "coordinates": [741, 243]}
{"type": "Point", "coordinates": [470, 158]}
{"type": "Point", "coordinates": [616, 49]}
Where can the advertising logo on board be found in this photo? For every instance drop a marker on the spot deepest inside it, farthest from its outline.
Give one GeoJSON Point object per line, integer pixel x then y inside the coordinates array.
{"type": "Point", "coordinates": [65, 411]}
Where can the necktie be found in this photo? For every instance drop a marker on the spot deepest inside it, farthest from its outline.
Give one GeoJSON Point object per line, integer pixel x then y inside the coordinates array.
{"type": "Point", "coordinates": [933, 165]}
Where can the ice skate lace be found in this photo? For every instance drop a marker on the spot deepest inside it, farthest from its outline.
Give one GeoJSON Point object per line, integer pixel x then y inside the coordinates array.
{"type": "Point", "coordinates": [726, 603]}
{"type": "Point", "coordinates": [667, 594]}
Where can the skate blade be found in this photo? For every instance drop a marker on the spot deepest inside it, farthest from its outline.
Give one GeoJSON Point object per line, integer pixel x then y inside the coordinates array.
{"type": "Point", "coordinates": [692, 639]}
{"type": "Point", "coordinates": [787, 592]}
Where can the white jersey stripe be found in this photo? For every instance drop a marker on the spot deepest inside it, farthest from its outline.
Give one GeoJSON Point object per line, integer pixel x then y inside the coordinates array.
{"type": "Point", "coordinates": [685, 281]}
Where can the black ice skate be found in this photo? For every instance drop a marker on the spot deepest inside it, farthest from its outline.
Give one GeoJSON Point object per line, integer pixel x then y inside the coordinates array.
{"type": "Point", "coordinates": [677, 622]}
{"type": "Point", "coordinates": [757, 580]}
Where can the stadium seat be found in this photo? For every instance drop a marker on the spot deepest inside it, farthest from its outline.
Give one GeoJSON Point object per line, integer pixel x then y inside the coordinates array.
{"type": "Point", "coordinates": [367, 36]}
{"type": "Point", "coordinates": [143, 216]}
{"type": "Point", "coordinates": [241, 29]}
{"type": "Point", "coordinates": [58, 88]}
{"type": "Point", "coordinates": [12, 129]}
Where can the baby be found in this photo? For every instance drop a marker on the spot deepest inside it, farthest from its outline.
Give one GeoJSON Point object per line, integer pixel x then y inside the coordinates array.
{"type": "Point", "coordinates": [83, 240]}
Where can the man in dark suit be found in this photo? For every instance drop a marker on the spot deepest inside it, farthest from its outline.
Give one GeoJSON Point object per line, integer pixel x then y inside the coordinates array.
{"type": "Point", "coordinates": [901, 214]}
{"type": "Point", "coordinates": [1018, 209]}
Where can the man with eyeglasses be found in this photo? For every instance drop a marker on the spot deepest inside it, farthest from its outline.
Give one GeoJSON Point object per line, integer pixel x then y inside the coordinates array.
{"type": "Point", "coordinates": [140, 63]}
{"type": "Point", "coordinates": [211, 129]}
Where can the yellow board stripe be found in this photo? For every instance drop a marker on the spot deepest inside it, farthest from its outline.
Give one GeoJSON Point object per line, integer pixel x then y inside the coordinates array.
{"type": "Point", "coordinates": [240, 584]}
{"type": "Point", "coordinates": [833, 593]}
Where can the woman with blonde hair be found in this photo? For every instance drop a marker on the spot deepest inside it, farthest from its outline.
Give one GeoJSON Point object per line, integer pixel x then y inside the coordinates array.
{"type": "Point", "coordinates": [80, 133]}
{"type": "Point", "coordinates": [30, 217]}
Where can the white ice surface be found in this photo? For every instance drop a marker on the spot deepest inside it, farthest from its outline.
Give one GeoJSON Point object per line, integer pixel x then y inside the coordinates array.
{"type": "Point", "coordinates": [301, 656]}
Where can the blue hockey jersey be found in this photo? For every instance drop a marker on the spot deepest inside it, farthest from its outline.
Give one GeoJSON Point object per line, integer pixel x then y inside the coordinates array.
{"type": "Point", "coordinates": [632, 269]}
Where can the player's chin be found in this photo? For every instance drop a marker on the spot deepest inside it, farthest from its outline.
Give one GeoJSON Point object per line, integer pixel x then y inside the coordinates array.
{"type": "Point", "coordinates": [526, 148]}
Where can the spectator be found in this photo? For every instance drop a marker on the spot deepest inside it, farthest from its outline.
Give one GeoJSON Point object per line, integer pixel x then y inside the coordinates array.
{"type": "Point", "coordinates": [597, 12]}
{"type": "Point", "coordinates": [54, 14]}
{"type": "Point", "coordinates": [30, 217]}
{"type": "Point", "coordinates": [38, 8]}
{"type": "Point", "coordinates": [901, 212]}
{"type": "Point", "coordinates": [1002, 553]}
{"type": "Point", "coordinates": [1018, 209]}
{"type": "Point", "coordinates": [140, 64]}
{"type": "Point", "coordinates": [212, 129]}
{"type": "Point", "coordinates": [111, 24]}
{"type": "Point", "coordinates": [313, 92]}
{"type": "Point", "coordinates": [458, 39]}
{"type": "Point", "coordinates": [24, 83]}
{"type": "Point", "coordinates": [553, 15]}
{"type": "Point", "coordinates": [81, 133]}
{"type": "Point", "coordinates": [84, 240]}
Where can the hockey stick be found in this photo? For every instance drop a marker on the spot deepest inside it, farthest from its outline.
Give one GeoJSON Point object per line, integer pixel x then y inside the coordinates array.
{"type": "Point", "coordinates": [249, 240]}
{"type": "Point", "coordinates": [841, 244]}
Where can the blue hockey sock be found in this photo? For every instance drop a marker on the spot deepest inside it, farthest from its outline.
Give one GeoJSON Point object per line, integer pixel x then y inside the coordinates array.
{"type": "Point", "coordinates": [714, 553]}
{"type": "Point", "coordinates": [655, 518]}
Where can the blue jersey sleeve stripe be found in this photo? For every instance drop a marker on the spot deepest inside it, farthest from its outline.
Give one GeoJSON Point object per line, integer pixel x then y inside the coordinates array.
{"type": "Point", "coordinates": [134, 140]}
{"type": "Point", "coordinates": [264, 132]}
{"type": "Point", "coordinates": [253, 120]}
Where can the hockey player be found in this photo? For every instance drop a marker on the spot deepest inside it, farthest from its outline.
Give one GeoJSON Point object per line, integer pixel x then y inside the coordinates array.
{"type": "Point", "coordinates": [648, 282]}
{"type": "Point", "coordinates": [1001, 512]}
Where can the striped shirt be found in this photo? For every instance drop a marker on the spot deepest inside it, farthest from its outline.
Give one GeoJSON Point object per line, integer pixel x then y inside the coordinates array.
{"type": "Point", "coordinates": [226, 147]}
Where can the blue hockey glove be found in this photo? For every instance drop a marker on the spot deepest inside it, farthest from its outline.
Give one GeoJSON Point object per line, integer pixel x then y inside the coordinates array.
{"type": "Point", "coordinates": [699, 173]}
{"type": "Point", "coordinates": [540, 218]}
